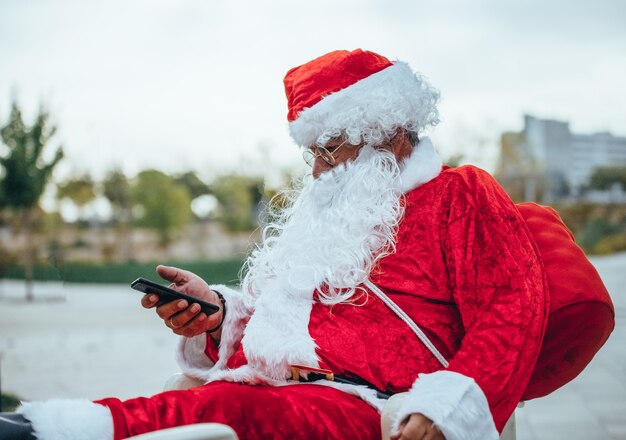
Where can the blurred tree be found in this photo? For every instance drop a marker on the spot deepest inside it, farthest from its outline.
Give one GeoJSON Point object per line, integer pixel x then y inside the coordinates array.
{"type": "Point", "coordinates": [518, 170]}
{"type": "Point", "coordinates": [455, 160]}
{"type": "Point", "coordinates": [605, 177]}
{"type": "Point", "coordinates": [239, 198]}
{"type": "Point", "coordinates": [194, 185]}
{"type": "Point", "coordinates": [79, 189]}
{"type": "Point", "coordinates": [7, 258]}
{"type": "Point", "coordinates": [50, 226]}
{"type": "Point", "coordinates": [25, 175]}
{"type": "Point", "coordinates": [116, 189]}
{"type": "Point", "coordinates": [595, 231]}
{"type": "Point", "coordinates": [165, 205]}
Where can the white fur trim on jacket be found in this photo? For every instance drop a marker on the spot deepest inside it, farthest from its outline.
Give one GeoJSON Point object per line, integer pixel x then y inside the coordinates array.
{"type": "Point", "coordinates": [68, 419]}
{"type": "Point", "coordinates": [190, 355]}
{"type": "Point", "coordinates": [370, 109]}
{"type": "Point", "coordinates": [423, 165]}
{"type": "Point", "coordinates": [454, 402]}
{"type": "Point", "coordinates": [277, 335]}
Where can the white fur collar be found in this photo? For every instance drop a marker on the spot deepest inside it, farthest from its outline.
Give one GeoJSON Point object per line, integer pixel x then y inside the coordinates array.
{"type": "Point", "coordinates": [423, 165]}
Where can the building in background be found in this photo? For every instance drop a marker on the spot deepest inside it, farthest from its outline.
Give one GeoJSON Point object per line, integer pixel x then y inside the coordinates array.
{"type": "Point", "coordinates": [548, 163]}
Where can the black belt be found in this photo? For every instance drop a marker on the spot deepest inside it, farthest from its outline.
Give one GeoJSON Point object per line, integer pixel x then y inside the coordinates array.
{"type": "Point", "coordinates": [313, 376]}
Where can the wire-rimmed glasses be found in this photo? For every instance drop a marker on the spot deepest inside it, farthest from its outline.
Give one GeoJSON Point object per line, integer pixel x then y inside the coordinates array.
{"type": "Point", "coordinates": [310, 154]}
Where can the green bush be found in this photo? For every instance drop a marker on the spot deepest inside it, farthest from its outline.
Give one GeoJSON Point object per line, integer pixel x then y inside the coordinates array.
{"type": "Point", "coordinates": [214, 272]}
{"type": "Point", "coordinates": [598, 228]}
{"type": "Point", "coordinates": [595, 231]}
{"type": "Point", "coordinates": [9, 402]}
{"type": "Point", "coordinates": [610, 244]}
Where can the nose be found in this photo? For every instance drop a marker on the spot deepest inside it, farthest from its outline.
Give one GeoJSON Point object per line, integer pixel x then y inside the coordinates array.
{"type": "Point", "coordinates": [319, 166]}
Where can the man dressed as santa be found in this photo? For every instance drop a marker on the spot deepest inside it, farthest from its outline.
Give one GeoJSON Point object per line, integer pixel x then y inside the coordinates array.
{"type": "Point", "coordinates": [385, 272]}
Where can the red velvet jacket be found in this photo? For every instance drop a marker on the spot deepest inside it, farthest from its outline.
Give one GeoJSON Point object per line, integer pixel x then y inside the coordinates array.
{"type": "Point", "coordinates": [466, 270]}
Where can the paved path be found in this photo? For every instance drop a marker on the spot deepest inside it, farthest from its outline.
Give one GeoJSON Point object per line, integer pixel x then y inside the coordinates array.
{"type": "Point", "coordinates": [592, 406]}
{"type": "Point", "coordinates": [98, 342]}
{"type": "Point", "coordinates": [101, 343]}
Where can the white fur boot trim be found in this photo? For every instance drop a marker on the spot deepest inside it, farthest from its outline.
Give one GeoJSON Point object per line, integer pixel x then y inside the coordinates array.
{"type": "Point", "coordinates": [68, 419]}
{"type": "Point", "coordinates": [454, 402]}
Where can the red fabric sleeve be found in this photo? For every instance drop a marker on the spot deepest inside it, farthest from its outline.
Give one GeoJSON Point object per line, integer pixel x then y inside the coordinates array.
{"type": "Point", "coordinates": [499, 286]}
{"type": "Point", "coordinates": [212, 349]}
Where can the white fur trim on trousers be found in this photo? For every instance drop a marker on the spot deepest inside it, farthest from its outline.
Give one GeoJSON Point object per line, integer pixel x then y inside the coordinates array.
{"type": "Point", "coordinates": [68, 419]}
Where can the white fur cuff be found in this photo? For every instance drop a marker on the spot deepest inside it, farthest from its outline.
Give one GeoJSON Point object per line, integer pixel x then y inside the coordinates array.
{"type": "Point", "coordinates": [191, 355]}
{"type": "Point", "coordinates": [454, 402]}
{"type": "Point", "coordinates": [238, 310]}
{"type": "Point", "coordinates": [69, 419]}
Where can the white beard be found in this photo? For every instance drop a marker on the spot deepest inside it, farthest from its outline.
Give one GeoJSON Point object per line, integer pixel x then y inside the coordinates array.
{"type": "Point", "coordinates": [330, 236]}
{"type": "Point", "coordinates": [333, 233]}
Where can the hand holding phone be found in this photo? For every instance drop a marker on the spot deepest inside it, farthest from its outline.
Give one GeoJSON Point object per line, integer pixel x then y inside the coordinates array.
{"type": "Point", "coordinates": [166, 294]}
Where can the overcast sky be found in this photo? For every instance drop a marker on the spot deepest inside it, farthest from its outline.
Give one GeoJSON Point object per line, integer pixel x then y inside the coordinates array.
{"type": "Point", "coordinates": [197, 84]}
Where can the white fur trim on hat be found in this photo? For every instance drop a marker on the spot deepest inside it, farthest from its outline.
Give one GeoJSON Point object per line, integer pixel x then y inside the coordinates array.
{"type": "Point", "coordinates": [454, 402]}
{"type": "Point", "coordinates": [69, 419]}
{"type": "Point", "coordinates": [370, 109]}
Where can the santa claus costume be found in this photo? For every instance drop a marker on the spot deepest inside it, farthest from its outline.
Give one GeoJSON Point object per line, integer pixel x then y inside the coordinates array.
{"type": "Point", "coordinates": [448, 246]}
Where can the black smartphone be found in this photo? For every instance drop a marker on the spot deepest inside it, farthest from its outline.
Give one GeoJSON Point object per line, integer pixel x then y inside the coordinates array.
{"type": "Point", "coordinates": [166, 294]}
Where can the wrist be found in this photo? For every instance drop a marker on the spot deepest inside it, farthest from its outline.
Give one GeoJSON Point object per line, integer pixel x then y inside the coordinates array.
{"type": "Point", "coordinates": [216, 331]}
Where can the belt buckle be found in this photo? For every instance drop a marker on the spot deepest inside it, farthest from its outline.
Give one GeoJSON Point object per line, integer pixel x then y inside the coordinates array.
{"type": "Point", "coordinates": [299, 372]}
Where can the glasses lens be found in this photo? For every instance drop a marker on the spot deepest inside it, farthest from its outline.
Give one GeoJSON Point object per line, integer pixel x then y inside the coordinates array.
{"type": "Point", "coordinates": [325, 154]}
{"type": "Point", "coordinates": [309, 157]}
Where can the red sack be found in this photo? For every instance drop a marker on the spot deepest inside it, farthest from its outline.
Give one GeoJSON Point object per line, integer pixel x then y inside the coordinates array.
{"type": "Point", "coordinates": [581, 312]}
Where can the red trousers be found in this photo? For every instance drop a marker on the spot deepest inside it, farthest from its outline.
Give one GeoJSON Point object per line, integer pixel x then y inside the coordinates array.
{"type": "Point", "coordinates": [255, 412]}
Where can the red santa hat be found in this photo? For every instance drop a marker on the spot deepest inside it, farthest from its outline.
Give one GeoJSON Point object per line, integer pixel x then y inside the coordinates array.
{"type": "Point", "coordinates": [359, 94]}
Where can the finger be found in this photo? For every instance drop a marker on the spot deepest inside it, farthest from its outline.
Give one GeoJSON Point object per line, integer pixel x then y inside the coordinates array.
{"type": "Point", "coordinates": [183, 318]}
{"type": "Point", "coordinates": [414, 429]}
{"type": "Point", "coordinates": [396, 435]}
{"type": "Point", "coordinates": [194, 327]}
{"type": "Point", "coordinates": [433, 433]}
{"type": "Point", "coordinates": [172, 274]}
{"type": "Point", "coordinates": [167, 310]}
{"type": "Point", "coordinates": [149, 301]}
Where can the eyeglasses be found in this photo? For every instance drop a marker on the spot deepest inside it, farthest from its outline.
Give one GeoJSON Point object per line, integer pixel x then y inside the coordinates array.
{"type": "Point", "coordinates": [310, 154]}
